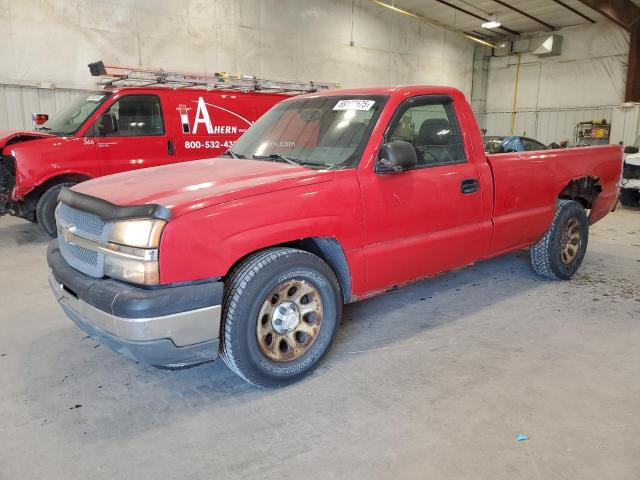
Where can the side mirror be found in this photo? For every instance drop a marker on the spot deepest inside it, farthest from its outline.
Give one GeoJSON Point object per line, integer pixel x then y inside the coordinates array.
{"type": "Point", "coordinates": [39, 118]}
{"type": "Point", "coordinates": [107, 125]}
{"type": "Point", "coordinates": [396, 156]}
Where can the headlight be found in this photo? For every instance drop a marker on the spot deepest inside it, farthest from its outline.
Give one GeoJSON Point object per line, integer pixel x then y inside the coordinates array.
{"type": "Point", "coordinates": [143, 233]}
{"type": "Point", "coordinates": [132, 264]}
{"type": "Point", "coordinates": [133, 251]}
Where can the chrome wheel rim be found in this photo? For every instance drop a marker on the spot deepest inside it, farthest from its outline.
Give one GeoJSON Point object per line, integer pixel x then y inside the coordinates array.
{"type": "Point", "coordinates": [289, 320]}
{"type": "Point", "coordinates": [570, 241]}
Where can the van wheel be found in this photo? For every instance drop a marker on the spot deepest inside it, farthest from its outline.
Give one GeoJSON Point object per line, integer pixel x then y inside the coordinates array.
{"type": "Point", "coordinates": [281, 310]}
{"type": "Point", "coordinates": [629, 197]}
{"type": "Point", "coordinates": [46, 208]}
{"type": "Point", "coordinates": [561, 250]}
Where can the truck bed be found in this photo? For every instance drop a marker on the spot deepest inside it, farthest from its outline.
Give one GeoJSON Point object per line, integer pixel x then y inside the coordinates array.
{"type": "Point", "coordinates": [526, 185]}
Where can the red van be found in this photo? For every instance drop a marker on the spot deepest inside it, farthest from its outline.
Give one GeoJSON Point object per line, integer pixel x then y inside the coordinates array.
{"type": "Point", "coordinates": [117, 129]}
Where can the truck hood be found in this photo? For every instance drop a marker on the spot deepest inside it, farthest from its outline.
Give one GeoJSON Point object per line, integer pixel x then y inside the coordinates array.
{"type": "Point", "coordinates": [188, 186]}
{"type": "Point", "coordinates": [9, 137]}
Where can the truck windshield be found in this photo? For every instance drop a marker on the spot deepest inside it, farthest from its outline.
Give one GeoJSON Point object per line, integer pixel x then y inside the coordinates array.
{"type": "Point", "coordinates": [72, 117]}
{"type": "Point", "coordinates": [325, 132]}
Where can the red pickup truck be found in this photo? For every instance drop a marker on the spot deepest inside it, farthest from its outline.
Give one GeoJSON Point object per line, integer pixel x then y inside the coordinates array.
{"type": "Point", "coordinates": [327, 199]}
{"type": "Point", "coordinates": [115, 130]}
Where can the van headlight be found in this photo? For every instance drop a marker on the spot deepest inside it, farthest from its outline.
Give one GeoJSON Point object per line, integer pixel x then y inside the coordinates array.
{"type": "Point", "coordinates": [132, 251]}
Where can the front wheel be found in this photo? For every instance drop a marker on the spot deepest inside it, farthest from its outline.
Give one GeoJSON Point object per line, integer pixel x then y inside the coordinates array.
{"type": "Point", "coordinates": [281, 310]}
{"type": "Point", "coordinates": [560, 251]}
{"type": "Point", "coordinates": [46, 208]}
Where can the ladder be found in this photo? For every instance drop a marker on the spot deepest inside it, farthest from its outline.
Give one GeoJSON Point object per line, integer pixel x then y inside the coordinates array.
{"type": "Point", "coordinates": [115, 76]}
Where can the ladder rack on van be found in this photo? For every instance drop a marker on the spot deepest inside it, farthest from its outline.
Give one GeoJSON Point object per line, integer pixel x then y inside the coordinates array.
{"type": "Point", "coordinates": [115, 76]}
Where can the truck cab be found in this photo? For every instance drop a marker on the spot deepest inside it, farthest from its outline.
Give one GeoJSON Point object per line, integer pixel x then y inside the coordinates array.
{"type": "Point", "coordinates": [119, 129]}
{"type": "Point", "coordinates": [328, 198]}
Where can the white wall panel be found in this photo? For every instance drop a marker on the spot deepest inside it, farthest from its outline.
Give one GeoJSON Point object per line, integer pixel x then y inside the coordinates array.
{"type": "Point", "coordinates": [53, 41]}
{"type": "Point", "coordinates": [586, 82]}
{"type": "Point", "coordinates": [625, 124]}
{"type": "Point", "coordinates": [590, 72]}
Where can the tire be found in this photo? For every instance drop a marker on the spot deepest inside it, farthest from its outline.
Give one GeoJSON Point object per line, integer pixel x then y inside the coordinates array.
{"type": "Point", "coordinates": [547, 257]}
{"type": "Point", "coordinates": [46, 208]}
{"type": "Point", "coordinates": [629, 197]}
{"type": "Point", "coordinates": [250, 289]}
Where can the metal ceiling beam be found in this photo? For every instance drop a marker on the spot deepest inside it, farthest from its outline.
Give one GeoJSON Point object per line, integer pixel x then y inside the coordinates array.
{"type": "Point", "coordinates": [627, 16]}
{"type": "Point", "coordinates": [484, 35]}
{"type": "Point", "coordinates": [621, 12]}
{"type": "Point", "coordinates": [479, 17]}
{"type": "Point", "coordinates": [525, 14]}
{"type": "Point", "coordinates": [577, 12]}
{"type": "Point", "coordinates": [433, 23]}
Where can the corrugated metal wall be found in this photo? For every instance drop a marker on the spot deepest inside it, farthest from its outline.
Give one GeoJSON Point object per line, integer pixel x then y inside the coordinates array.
{"type": "Point", "coordinates": [545, 125]}
{"type": "Point", "coordinates": [18, 102]}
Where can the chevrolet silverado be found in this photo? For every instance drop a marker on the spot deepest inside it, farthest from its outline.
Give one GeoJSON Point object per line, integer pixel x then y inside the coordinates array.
{"type": "Point", "coordinates": [327, 199]}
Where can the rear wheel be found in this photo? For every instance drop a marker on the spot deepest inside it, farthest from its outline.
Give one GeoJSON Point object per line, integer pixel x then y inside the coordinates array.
{"type": "Point", "coordinates": [46, 208]}
{"type": "Point", "coordinates": [629, 197]}
{"type": "Point", "coordinates": [560, 252]}
{"type": "Point", "coordinates": [281, 310]}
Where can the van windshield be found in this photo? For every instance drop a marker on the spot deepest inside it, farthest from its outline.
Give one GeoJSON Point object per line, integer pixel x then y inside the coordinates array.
{"type": "Point", "coordinates": [69, 120]}
{"type": "Point", "coordinates": [325, 132]}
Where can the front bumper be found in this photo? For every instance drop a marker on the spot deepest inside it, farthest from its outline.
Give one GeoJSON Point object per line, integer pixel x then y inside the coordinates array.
{"type": "Point", "coordinates": [167, 327]}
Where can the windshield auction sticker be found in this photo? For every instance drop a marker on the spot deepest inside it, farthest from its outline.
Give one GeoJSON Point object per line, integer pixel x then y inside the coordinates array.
{"type": "Point", "coordinates": [354, 104]}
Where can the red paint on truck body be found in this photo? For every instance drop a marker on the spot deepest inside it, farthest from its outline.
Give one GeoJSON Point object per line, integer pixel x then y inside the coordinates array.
{"type": "Point", "coordinates": [393, 228]}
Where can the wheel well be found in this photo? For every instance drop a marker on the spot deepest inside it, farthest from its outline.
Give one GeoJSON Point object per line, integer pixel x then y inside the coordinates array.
{"type": "Point", "coordinates": [34, 195]}
{"type": "Point", "coordinates": [584, 190]}
{"type": "Point", "coordinates": [329, 250]}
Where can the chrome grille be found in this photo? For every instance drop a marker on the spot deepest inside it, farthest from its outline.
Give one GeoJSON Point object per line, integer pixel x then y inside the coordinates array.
{"type": "Point", "coordinates": [82, 254]}
{"type": "Point", "coordinates": [84, 221]}
{"type": "Point", "coordinates": [86, 225]}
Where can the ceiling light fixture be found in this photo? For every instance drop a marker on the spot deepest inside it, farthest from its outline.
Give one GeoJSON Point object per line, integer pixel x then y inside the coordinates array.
{"type": "Point", "coordinates": [492, 22]}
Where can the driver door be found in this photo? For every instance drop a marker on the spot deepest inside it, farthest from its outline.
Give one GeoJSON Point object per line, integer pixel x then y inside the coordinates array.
{"type": "Point", "coordinates": [428, 219]}
{"type": "Point", "coordinates": [132, 134]}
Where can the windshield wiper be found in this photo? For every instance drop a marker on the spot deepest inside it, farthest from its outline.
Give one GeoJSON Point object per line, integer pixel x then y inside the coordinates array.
{"type": "Point", "coordinates": [43, 128]}
{"type": "Point", "coordinates": [277, 156]}
{"type": "Point", "coordinates": [233, 155]}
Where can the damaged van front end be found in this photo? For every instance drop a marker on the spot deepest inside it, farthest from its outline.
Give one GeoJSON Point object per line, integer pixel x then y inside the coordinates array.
{"type": "Point", "coordinates": [7, 183]}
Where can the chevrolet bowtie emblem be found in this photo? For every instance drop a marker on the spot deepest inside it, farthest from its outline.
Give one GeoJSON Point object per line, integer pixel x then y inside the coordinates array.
{"type": "Point", "coordinates": [68, 233]}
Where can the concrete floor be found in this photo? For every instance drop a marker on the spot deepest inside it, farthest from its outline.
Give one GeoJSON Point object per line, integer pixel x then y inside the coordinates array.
{"type": "Point", "coordinates": [432, 381]}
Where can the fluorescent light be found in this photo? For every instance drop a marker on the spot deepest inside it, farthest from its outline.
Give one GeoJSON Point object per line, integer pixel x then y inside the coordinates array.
{"type": "Point", "coordinates": [491, 24]}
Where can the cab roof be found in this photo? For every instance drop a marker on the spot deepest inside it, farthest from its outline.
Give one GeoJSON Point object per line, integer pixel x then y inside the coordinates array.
{"type": "Point", "coordinates": [401, 90]}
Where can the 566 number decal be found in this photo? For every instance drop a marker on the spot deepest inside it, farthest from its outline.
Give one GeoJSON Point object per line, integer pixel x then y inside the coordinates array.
{"type": "Point", "coordinates": [195, 144]}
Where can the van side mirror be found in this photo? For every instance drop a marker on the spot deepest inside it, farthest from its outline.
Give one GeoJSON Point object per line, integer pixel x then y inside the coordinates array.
{"type": "Point", "coordinates": [396, 156]}
{"type": "Point", "coordinates": [107, 125]}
